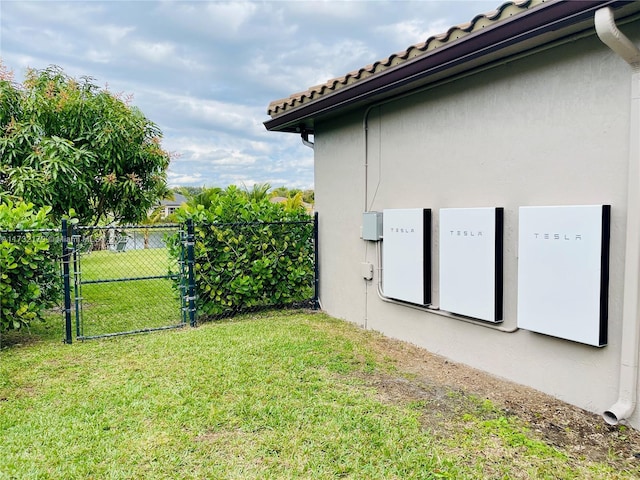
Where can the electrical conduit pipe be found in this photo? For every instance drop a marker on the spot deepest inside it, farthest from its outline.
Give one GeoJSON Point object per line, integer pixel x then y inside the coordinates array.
{"type": "Point", "coordinates": [628, 387]}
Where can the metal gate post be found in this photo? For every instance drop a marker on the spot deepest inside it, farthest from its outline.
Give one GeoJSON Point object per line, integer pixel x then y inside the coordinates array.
{"type": "Point", "coordinates": [316, 293]}
{"type": "Point", "coordinates": [191, 287]}
{"type": "Point", "coordinates": [184, 303]}
{"type": "Point", "coordinates": [77, 279]}
{"type": "Point", "coordinates": [67, 284]}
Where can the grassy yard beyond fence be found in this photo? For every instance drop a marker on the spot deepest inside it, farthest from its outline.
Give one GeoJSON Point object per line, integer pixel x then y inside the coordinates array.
{"type": "Point", "coordinates": [283, 395]}
{"type": "Point", "coordinates": [122, 306]}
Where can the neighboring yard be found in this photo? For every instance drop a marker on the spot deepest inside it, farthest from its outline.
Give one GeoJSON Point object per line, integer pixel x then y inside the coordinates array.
{"type": "Point", "coordinates": [128, 305]}
{"type": "Point", "coordinates": [281, 395]}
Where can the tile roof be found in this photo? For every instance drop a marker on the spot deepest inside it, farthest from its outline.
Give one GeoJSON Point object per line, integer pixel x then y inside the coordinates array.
{"type": "Point", "coordinates": [479, 22]}
{"type": "Point", "coordinates": [176, 200]}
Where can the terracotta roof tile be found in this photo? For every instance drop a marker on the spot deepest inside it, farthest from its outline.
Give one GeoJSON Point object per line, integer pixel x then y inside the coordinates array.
{"type": "Point", "coordinates": [506, 10]}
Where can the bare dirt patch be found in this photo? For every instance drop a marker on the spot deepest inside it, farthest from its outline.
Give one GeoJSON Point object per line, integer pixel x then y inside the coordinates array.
{"type": "Point", "coordinates": [447, 389]}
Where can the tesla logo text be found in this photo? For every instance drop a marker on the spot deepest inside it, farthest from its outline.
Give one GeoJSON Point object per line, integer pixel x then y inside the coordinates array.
{"type": "Point", "coordinates": [402, 230]}
{"type": "Point", "coordinates": [558, 236]}
{"type": "Point", "coordinates": [465, 233]}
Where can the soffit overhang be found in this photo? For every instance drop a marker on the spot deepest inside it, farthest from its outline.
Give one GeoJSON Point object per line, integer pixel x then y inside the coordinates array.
{"type": "Point", "coordinates": [530, 25]}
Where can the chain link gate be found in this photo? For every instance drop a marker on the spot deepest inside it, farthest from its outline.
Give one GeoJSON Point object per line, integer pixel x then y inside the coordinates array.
{"type": "Point", "coordinates": [128, 279]}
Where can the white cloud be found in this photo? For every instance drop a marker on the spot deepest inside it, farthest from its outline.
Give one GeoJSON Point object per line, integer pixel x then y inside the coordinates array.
{"type": "Point", "coordinates": [114, 34]}
{"type": "Point", "coordinates": [175, 179]}
{"type": "Point", "coordinates": [230, 16]}
{"type": "Point", "coordinates": [154, 51]}
{"type": "Point", "coordinates": [412, 31]}
{"type": "Point", "coordinates": [65, 13]}
{"type": "Point", "coordinates": [310, 65]}
{"type": "Point", "coordinates": [329, 9]}
{"type": "Point", "coordinates": [205, 71]}
{"type": "Point", "coordinates": [261, 147]}
{"type": "Point", "coordinates": [235, 158]}
{"type": "Point", "coordinates": [99, 56]}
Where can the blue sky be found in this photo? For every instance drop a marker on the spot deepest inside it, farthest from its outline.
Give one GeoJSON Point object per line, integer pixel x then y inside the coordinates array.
{"type": "Point", "coordinates": [205, 71]}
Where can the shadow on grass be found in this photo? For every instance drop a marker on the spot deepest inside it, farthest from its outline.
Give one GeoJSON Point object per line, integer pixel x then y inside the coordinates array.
{"type": "Point", "coordinates": [50, 329]}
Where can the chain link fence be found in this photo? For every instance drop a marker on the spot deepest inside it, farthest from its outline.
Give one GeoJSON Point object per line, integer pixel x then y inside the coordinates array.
{"type": "Point", "coordinates": [110, 281]}
{"type": "Point", "coordinates": [247, 267]}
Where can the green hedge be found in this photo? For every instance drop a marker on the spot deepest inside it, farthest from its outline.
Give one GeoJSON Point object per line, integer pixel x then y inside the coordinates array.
{"type": "Point", "coordinates": [250, 254]}
{"type": "Point", "coordinates": [29, 268]}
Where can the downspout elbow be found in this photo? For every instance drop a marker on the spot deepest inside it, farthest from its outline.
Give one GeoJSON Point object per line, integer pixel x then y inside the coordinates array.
{"type": "Point", "coordinates": [619, 412]}
{"type": "Point", "coordinates": [304, 135]}
{"type": "Point", "coordinates": [614, 39]}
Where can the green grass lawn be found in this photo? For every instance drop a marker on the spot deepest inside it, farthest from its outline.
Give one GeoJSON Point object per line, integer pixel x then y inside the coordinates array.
{"type": "Point", "coordinates": [284, 395]}
{"type": "Point", "coordinates": [128, 305]}
{"type": "Point", "coordinates": [106, 264]}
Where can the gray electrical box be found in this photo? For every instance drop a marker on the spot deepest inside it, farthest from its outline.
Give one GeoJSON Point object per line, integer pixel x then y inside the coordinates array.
{"type": "Point", "coordinates": [372, 226]}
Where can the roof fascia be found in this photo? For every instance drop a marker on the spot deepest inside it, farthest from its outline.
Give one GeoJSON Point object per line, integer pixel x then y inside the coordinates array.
{"type": "Point", "coordinates": [537, 23]}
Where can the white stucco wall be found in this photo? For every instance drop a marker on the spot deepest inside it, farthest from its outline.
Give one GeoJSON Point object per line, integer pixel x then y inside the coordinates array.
{"type": "Point", "coordinates": [549, 129]}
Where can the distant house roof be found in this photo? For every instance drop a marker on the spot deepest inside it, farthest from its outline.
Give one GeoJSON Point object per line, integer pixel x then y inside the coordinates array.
{"type": "Point", "coordinates": [175, 202]}
{"type": "Point", "coordinates": [515, 27]}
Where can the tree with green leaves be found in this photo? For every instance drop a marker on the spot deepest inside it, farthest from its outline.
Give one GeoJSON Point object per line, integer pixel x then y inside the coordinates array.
{"type": "Point", "coordinates": [205, 197]}
{"type": "Point", "coordinates": [189, 191]}
{"type": "Point", "coordinates": [258, 192]}
{"type": "Point", "coordinates": [82, 150]}
{"type": "Point", "coordinates": [307, 196]}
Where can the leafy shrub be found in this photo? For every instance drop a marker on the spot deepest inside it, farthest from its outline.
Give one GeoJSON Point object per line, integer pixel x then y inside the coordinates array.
{"type": "Point", "coordinates": [29, 273]}
{"type": "Point", "coordinates": [249, 253]}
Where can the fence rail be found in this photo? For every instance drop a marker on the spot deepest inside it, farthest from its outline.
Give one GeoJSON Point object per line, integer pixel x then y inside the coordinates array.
{"type": "Point", "coordinates": [136, 278]}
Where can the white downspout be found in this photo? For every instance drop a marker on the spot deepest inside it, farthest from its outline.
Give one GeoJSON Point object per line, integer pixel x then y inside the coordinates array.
{"type": "Point", "coordinates": [628, 389]}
